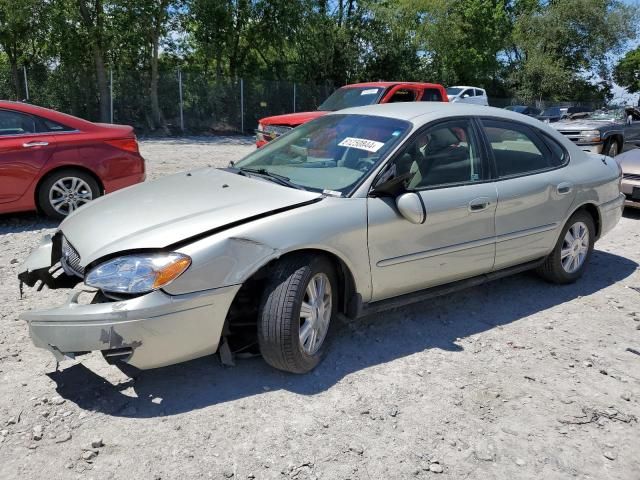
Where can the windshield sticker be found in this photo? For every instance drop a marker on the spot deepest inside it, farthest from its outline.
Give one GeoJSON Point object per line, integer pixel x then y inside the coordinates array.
{"type": "Point", "coordinates": [361, 144]}
{"type": "Point", "coordinates": [369, 91]}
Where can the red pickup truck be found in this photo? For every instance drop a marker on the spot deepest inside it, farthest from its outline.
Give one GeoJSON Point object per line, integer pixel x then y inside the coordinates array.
{"type": "Point", "coordinates": [356, 95]}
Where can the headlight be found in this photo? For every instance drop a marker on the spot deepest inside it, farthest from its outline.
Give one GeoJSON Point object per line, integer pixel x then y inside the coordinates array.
{"type": "Point", "coordinates": [590, 135]}
{"type": "Point", "coordinates": [138, 273]}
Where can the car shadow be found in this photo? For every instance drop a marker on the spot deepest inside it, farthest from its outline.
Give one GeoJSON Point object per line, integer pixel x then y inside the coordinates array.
{"type": "Point", "coordinates": [633, 213]}
{"type": "Point", "coordinates": [374, 340]}
{"type": "Point", "coordinates": [25, 222]}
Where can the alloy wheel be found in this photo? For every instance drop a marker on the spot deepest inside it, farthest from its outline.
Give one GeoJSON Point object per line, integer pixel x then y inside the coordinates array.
{"type": "Point", "coordinates": [69, 194]}
{"type": "Point", "coordinates": [575, 247]}
{"type": "Point", "coordinates": [315, 313]}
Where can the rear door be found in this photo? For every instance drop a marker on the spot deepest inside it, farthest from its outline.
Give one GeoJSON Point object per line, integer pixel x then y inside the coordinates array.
{"type": "Point", "coordinates": [535, 190]}
{"type": "Point", "coordinates": [24, 149]}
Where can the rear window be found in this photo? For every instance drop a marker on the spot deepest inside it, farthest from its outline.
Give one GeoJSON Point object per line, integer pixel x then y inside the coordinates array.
{"type": "Point", "coordinates": [431, 95]}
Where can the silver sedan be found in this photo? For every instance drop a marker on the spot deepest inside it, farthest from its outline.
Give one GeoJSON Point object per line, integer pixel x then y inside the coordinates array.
{"type": "Point", "coordinates": [355, 212]}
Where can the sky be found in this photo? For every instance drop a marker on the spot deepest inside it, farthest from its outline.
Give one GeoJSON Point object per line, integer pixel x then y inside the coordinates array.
{"type": "Point", "coordinates": [618, 91]}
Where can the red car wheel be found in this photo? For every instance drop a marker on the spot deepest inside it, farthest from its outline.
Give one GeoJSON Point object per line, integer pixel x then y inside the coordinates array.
{"type": "Point", "coordinates": [65, 191]}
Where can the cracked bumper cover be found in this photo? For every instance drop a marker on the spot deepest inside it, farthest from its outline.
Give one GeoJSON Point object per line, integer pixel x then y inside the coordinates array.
{"type": "Point", "coordinates": [161, 329]}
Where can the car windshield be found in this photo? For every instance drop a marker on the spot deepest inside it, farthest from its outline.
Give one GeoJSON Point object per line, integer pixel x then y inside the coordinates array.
{"type": "Point", "coordinates": [453, 91]}
{"type": "Point", "coordinates": [551, 112]}
{"type": "Point", "coordinates": [606, 115]}
{"type": "Point", "coordinates": [347, 97]}
{"type": "Point", "coordinates": [516, 108]}
{"type": "Point", "coordinates": [330, 154]}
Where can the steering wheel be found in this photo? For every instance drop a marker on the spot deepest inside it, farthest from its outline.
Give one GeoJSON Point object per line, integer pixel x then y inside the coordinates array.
{"type": "Point", "coordinates": [365, 164]}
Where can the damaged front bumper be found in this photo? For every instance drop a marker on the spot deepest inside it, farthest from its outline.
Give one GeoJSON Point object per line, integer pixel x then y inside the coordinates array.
{"type": "Point", "coordinates": [148, 331]}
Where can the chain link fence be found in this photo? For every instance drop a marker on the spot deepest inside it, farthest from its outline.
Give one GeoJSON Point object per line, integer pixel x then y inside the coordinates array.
{"type": "Point", "coordinates": [191, 102]}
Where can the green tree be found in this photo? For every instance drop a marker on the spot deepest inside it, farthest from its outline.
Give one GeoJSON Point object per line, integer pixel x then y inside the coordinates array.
{"type": "Point", "coordinates": [22, 29]}
{"type": "Point", "coordinates": [627, 72]}
{"type": "Point", "coordinates": [563, 42]}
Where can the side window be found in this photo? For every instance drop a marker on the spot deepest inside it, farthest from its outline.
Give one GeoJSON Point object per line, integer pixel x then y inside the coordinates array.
{"type": "Point", "coordinates": [441, 155]}
{"type": "Point", "coordinates": [559, 156]}
{"type": "Point", "coordinates": [51, 126]}
{"type": "Point", "coordinates": [516, 149]}
{"type": "Point", "coordinates": [467, 93]}
{"type": "Point", "coordinates": [431, 95]}
{"type": "Point", "coordinates": [479, 93]}
{"type": "Point", "coordinates": [14, 123]}
{"type": "Point", "coordinates": [403, 95]}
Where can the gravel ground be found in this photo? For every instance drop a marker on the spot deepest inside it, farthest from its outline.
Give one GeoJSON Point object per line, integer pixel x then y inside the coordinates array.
{"type": "Point", "coordinates": [515, 379]}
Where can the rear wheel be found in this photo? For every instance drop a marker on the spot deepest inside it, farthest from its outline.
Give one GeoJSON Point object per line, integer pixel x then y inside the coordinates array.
{"type": "Point", "coordinates": [295, 314]}
{"type": "Point", "coordinates": [568, 260]}
{"type": "Point", "coordinates": [65, 191]}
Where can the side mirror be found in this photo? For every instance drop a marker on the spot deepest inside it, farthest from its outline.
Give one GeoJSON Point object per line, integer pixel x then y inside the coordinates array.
{"type": "Point", "coordinates": [411, 207]}
{"type": "Point", "coordinates": [466, 95]}
{"type": "Point", "coordinates": [390, 185]}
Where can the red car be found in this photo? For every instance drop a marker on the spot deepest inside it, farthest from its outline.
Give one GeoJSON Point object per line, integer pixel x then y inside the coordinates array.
{"type": "Point", "coordinates": [356, 95]}
{"type": "Point", "coordinates": [55, 163]}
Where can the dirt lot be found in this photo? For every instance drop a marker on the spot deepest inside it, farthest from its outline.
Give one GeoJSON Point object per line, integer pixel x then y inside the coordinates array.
{"type": "Point", "coordinates": [516, 379]}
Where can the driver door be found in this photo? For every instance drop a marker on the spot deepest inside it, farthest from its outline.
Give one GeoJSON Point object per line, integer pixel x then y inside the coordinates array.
{"type": "Point", "coordinates": [457, 238]}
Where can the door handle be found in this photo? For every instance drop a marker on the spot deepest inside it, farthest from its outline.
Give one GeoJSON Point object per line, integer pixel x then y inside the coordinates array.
{"type": "Point", "coordinates": [564, 188]}
{"type": "Point", "coordinates": [479, 204]}
{"type": "Point", "coordinates": [35, 144]}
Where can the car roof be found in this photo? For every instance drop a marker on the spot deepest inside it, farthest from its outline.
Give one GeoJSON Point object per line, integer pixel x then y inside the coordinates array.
{"type": "Point", "coordinates": [391, 84]}
{"type": "Point", "coordinates": [68, 120]}
{"type": "Point", "coordinates": [466, 86]}
{"type": "Point", "coordinates": [420, 113]}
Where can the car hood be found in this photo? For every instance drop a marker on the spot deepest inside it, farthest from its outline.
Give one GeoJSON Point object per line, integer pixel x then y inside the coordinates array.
{"type": "Point", "coordinates": [629, 161]}
{"type": "Point", "coordinates": [292, 119]}
{"type": "Point", "coordinates": [576, 125]}
{"type": "Point", "coordinates": [173, 209]}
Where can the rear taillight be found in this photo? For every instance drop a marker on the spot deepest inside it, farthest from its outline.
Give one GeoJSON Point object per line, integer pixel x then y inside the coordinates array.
{"type": "Point", "coordinates": [126, 144]}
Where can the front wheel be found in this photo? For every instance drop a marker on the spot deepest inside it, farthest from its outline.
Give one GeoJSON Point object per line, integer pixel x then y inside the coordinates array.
{"type": "Point", "coordinates": [295, 314]}
{"type": "Point", "coordinates": [568, 260]}
{"type": "Point", "coordinates": [611, 148]}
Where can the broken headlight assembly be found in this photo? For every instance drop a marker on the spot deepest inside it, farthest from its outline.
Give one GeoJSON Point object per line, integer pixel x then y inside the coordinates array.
{"type": "Point", "coordinates": [138, 273]}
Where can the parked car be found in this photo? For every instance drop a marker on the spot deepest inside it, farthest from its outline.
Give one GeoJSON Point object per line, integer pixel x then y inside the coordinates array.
{"type": "Point", "coordinates": [552, 114]}
{"type": "Point", "coordinates": [630, 163]}
{"type": "Point", "coordinates": [524, 110]}
{"type": "Point", "coordinates": [462, 94]}
{"type": "Point", "coordinates": [356, 95]}
{"type": "Point", "coordinates": [603, 131]}
{"type": "Point", "coordinates": [56, 163]}
{"type": "Point", "coordinates": [355, 212]}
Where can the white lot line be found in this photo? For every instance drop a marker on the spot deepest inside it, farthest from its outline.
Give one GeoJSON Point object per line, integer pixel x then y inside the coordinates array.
{"type": "Point", "coordinates": [515, 379]}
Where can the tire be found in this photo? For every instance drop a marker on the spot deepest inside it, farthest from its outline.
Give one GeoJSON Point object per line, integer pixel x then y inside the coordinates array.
{"type": "Point", "coordinates": [279, 318]}
{"type": "Point", "coordinates": [66, 190]}
{"type": "Point", "coordinates": [562, 270]}
{"type": "Point", "coordinates": [611, 148]}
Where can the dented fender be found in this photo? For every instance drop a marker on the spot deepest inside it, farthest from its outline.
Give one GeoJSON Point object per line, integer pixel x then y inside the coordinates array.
{"type": "Point", "coordinates": [42, 265]}
{"type": "Point", "coordinates": [228, 261]}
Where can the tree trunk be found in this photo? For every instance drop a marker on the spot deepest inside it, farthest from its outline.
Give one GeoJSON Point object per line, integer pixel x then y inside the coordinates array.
{"type": "Point", "coordinates": [95, 28]}
{"type": "Point", "coordinates": [15, 75]}
{"type": "Point", "coordinates": [156, 112]}
{"type": "Point", "coordinates": [103, 85]}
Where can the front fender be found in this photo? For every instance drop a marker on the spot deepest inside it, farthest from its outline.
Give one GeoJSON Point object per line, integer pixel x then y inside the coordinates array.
{"type": "Point", "coordinates": [42, 265]}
